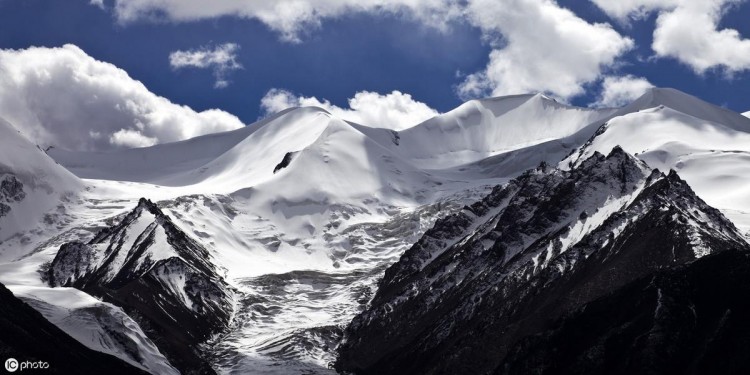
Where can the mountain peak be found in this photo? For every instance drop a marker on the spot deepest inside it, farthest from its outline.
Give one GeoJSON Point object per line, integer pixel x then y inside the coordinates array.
{"type": "Point", "coordinates": [690, 105]}
{"type": "Point", "coordinates": [148, 265]}
{"type": "Point", "coordinates": [535, 249]}
{"type": "Point", "coordinates": [148, 205]}
{"type": "Point", "coordinates": [617, 151]}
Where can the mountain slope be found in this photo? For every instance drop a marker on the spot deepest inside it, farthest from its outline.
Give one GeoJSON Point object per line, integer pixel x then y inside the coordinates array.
{"type": "Point", "coordinates": [28, 336]}
{"type": "Point", "coordinates": [540, 247]}
{"type": "Point", "coordinates": [98, 325]}
{"type": "Point", "coordinates": [215, 163]}
{"type": "Point", "coordinates": [31, 183]}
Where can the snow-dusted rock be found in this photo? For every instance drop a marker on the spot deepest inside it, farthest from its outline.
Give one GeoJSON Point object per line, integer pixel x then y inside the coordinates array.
{"type": "Point", "coordinates": [541, 246]}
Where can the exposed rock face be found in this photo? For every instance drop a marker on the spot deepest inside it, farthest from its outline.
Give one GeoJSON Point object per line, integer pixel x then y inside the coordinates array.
{"type": "Point", "coordinates": [285, 161]}
{"type": "Point", "coordinates": [477, 286]}
{"type": "Point", "coordinates": [28, 336]}
{"type": "Point", "coordinates": [11, 190]}
{"type": "Point", "coordinates": [160, 276]}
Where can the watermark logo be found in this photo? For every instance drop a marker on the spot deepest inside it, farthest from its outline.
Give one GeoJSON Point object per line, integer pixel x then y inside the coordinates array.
{"type": "Point", "coordinates": [11, 365]}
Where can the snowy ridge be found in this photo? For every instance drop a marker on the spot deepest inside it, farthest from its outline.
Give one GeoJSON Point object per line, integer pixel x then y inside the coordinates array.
{"type": "Point", "coordinates": [689, 105]}
{"type": "Point", "coordinates": [482, 128]}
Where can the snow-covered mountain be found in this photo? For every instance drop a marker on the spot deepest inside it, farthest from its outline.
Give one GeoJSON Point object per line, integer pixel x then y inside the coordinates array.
{"type": "Point", "coordinates": [286, 225]}
{"type": "Point", "coordinates": [707, 145]}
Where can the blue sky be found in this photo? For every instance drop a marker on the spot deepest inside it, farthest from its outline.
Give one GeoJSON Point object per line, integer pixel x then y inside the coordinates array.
{"type": "Point", "coordinates": [338, 52]}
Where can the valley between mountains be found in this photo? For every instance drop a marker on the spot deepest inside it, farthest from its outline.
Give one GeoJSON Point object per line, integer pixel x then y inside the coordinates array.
{"type": "Point", "coordinates": [510, 235]}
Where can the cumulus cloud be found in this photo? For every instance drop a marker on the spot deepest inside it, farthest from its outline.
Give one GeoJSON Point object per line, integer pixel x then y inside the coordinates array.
{"type": "Point", "coordinates": [221, 59]}
{"type": "Point", "coordinates": [620, 91]}
{"type": "Point", "coordinates": [544, 48]}
{"type": "Point", "coordinates": [289, 18]}
{"type": "Point", "coordinates": [393, 111]}
{"type": "Point", "coordinates": [688, 30]}
{"type": "Point", "coordinates": [65, 98]}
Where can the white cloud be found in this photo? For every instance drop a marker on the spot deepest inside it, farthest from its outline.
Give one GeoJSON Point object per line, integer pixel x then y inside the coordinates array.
{"type": "Point", "coordinates": [131, 138]}
{"type": "Point", "coordinates": [97, 3]}
{"type": "Point", "coordinates": [688, 30]}
{"type": "Point", "coordinates": [545, 48]}
{"type": "Point", "coordinates": [221, 59]}
{"type": "Point", "coordinates": [393, 111]}
{"type": "Point", "coordinates": [63, 97]}
{"type": "Point", "coordinates": [289, 18]}
{"type": "Point", "coordinates": [620, 91]}
{"type": "Point", "coordinates": [635, 9]}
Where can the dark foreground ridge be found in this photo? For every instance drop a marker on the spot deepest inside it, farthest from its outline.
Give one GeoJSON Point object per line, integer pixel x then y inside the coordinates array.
{"type": "Point", "coordinates": [160, 276]}
{"type": "Point", "coordinates": [25, 335]}
{"type": "Point", "coordinates": [544, 276]}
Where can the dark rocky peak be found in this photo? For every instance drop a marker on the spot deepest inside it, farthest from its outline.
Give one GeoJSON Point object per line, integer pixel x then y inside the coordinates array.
{"type": "Point", "coordinates": [535, 249]}
{"type": "Point", "coordinates": [159, 275]}
{"type": "Point", "coordinates": [537, 204]}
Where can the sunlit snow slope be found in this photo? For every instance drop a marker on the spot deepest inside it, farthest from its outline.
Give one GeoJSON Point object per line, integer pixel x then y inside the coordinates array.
{"type": "Point", "coordinates": [707, 145]}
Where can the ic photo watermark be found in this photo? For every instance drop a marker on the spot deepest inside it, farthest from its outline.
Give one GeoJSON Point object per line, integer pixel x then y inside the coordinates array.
{"type": "Point", "coordinates": [12, 365]}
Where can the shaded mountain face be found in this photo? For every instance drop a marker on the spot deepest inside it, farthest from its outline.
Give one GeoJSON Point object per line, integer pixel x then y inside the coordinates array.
{"type": "Point", "coordinates": [684, 320]}
{"type": "Point", "coordinates": [28, 336]}
{"type": "Point", "coordinates": [530, 253]}
{"type": "Point", "coordinates": [160, 276]}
